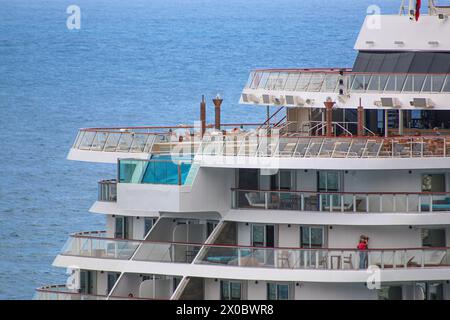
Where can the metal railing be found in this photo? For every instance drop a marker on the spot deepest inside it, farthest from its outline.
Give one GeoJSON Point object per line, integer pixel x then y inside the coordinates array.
{"type": "Point", "coordinates": [155, 140]}
{"type": "Point", "coordinates": [107, 190]}
{"type": "Point", "coordinates": [326, 258]}
{"type": "Point", "coordinates": [334, 80]}
{"type": "Point", "coordinates": [60, 292]}
{"type": "Point", "coordinates": [97, 245]}
{"type": "Point", "coordinates": [361, 202]}
{"type": "Point", "coordinates": [268, 257]}
{"type": "Point", "coordinates": [321, 147]}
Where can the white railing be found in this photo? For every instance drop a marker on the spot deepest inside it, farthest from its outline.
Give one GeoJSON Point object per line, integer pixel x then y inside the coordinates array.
{"type": "Point", "coordinates": [322, 147]}
{"type": "Point", "coordinates": [345, 81]}
{"type": "Point", "coordinates": [107, 190]}
{"type": "Point", "coordinates": [279, 257]}
{"type": "Point", "coordinates": [326, 258]}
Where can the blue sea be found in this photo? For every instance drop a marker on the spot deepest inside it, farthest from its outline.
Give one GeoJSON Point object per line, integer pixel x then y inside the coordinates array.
{"type": "Point", "coordinates": [132, 62]}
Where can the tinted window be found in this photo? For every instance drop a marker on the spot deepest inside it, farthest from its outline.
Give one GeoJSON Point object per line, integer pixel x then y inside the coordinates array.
{"type": "Point", "coordinates": [421, 62]}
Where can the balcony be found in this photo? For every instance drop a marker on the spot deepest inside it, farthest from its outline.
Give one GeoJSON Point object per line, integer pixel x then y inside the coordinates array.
{"type": "Point", "coordinates": [97, 245]}
{"type": "Point", "coordinates": [321, 147]}
{"type": "Point", "coordinates": [259, 257]}
{"type": "Point", "coordinates": [325, 258]}
{"type": "Point", "coordinates": [60, 292]}
{"type": "Point", "coordinates": [344, 81]}
{"type": "Point", "coordinates": [107, 190]}
{"type": "Point", "coordinates": [345, 202]}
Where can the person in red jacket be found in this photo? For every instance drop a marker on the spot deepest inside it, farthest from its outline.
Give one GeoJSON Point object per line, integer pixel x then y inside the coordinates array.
{"type": "Point", "coordinates": [363, 246]}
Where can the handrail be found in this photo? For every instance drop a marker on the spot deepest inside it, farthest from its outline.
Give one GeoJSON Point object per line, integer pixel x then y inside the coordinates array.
{"type": "Point", "coordinates": [339, 70]}
{"type": "Point", "coordinates": [342, 192]}
{"type": "Point", "coordinates": [254, 247]}
{"type": "Point", "coordinates": [55, 289]}
{"type": "Point", "coordinates": [270, 118]}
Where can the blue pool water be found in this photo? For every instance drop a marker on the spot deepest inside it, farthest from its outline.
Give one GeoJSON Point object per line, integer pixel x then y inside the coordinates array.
{"type": "Point", "coordinates": [133, 62]}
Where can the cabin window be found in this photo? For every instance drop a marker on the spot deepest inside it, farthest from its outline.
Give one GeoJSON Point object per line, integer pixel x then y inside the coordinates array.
{"type": "Point", "coordinates": [277, 291]}
{"type": "Point", "coordinates": [230, 290]}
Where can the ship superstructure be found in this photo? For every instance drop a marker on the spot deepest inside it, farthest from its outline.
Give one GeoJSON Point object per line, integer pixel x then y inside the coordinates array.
{"type": "Point", "coordinates": [278, 210]}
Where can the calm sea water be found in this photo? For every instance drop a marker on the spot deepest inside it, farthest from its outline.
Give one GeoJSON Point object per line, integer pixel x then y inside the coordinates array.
{"type": "Point", "coordinates": [133, 62]}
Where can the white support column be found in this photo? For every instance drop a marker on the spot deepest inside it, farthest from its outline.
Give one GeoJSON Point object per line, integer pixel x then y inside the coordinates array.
{"type": "Point", "coordinates": [386, 123]}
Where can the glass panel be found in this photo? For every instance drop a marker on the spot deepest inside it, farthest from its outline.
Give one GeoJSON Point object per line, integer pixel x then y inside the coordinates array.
{"type": "Point", "coordinates": [99, 141]}
{"type": "Point", "coordinates": [250, 79]}
{"type": "Point", "coordinates": [447, 85]}
{"type": "Point", "coordinates": [418, 82]}
{"type": "Point", "coordinates": [271, 81]}
{"type": "Point", "coordinates": [358, 83]}
{"type": "Point", "coordinates": [281, 81]}
{"type": "Point", "coordinates": [330, 83]}
{"type": "Point", "coordinates": [262, 80]}
{"type": "Point", "coordinates": [437, 83]}
{"type": "Point", "coordinates": [408, 86]}
{"type": "Point", "coordinates": [292, 81]}
{"type": "Point", "coordinates": [235, 288]}
{"type": "Point", "coordinates": [427, 84]}
{"type": "Point", "coordinates": [303, 82]}
{"type": "Point", "coordinates": [87, 140]}
{"type": "Point", "coordinates": [271, 291]}
{"type": "Point", "coordinates": [111, 143]}
{"type": "Point", "coordinates": [283, 292]}
{"type": "Point", "coordinates": [125, 142]}
{"type": "Point", "coordinates": [316, 82]}
{"type": "Point", "coordinates": [258, 235]}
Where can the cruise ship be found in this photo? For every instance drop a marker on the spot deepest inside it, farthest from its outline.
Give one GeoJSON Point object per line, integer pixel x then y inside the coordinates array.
{"type": "Point", "coordinates": [343, 192]}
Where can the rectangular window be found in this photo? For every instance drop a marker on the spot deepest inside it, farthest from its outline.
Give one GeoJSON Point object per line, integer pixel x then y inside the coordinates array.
{"type": "Point", "coordinates": [123, 227]}
{"type": "Point", "coordinates": [112, 279]}
{"type": "Point", "coordinates": [277, 291]}
{"type": "Point", "coordinates": [433, 238]}
{"type": "Point", "coordinates": [312, 237]}
{"type": "Point", "coordinates": [148, 225]}
{"type": "Point", "coordinates": [230, 290]}
{"type": "Point", "coordinates": [433, 182]}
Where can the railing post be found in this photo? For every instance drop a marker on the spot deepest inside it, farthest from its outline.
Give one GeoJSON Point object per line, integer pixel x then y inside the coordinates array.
{"type": "Point", "coordinates": [381, 202]}
{"type": "Point", "coordinates": [431, 203]}
{"type": "Point", "coordinates": [367, 203]}
{"type": "Point", "coordinates": [266, 200]}
{"type": "Point", "coordinates": [331, 202]}
{"type": "Point", "coordinates": [422, 262]}
{"type": "Point", "coordinates": [342, 203]}
{"type": "Point", "coordinates": [394, 202]}
{"type": "Point", "coordinates": [407, 202]}
{"type": "Point", "coordinates": [420, 203]}
{"type": "Point", "coordinates": [394, 264]}
{"type": "Point", "coordinates": [302, 202]}
{"type": "Point", "coordinates": [179, 173]}
{"type": "Point", "coordinates": [320, 202]}
{"type": "Point", "coordinates": [354, 202]}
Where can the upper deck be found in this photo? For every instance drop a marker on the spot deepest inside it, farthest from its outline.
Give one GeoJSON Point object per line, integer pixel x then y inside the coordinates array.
{"type": "Point", "coordinates": [309, 88]}
{"type": "Point", "coordinates": [255, 148]}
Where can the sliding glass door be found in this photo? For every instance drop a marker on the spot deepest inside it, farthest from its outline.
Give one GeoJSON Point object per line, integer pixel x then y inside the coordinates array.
{"type": "Point", "coordinates": [263, 236]}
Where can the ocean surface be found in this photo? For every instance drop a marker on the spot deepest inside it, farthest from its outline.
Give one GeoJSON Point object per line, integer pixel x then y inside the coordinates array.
{"type": "Point", "coordinates": [133, 62]}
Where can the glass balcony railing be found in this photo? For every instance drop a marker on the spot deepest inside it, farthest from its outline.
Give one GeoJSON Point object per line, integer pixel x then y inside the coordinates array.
{"type": "Point", "coordinates": [96, 245]}
{"type": "Point", "coordinates": [167, 252]}
{"type": "Point", "coordinates": [245, 256]}
{"type": "Point", "coordinates": [320, 147]}
{"type": "Point", "coordinates": [325, 258]}
{"type": "Point", "coordinates": [107, 190]}
{"type": "Point", "coordinates": [168, 172]}
{"type": "Point", "coordinates": [334, 80]}
{"type": "Point", "coordinates": [370, 202]}
{"type": "Point", "coordinates": [156, 140]}
{"type": "Point", "coordinates": [60, 292]}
